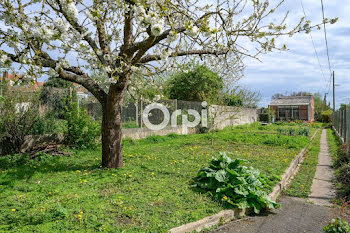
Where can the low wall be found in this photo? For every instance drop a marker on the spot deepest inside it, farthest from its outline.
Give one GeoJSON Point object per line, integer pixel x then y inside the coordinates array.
{"type": "Point", "coordinates": [138, 133]}
{"type": "Point", "coordinates": [338, 135]}
{"type": "Point", "coordinates": [227, 116]}
{"type": "Point", "coordinates": [32, 140]}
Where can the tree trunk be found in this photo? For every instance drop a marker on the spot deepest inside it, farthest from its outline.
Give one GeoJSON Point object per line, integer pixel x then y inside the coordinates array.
{"type": "Point", "coordinates": [112, 155]}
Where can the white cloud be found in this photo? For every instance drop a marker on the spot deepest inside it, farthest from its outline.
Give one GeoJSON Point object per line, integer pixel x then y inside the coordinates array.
{"type": "Point", "coordinates": [298, 69]}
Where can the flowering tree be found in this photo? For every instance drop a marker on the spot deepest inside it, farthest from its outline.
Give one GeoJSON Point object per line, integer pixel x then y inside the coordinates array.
{"type": "Point", "coordinates": [68, 38]}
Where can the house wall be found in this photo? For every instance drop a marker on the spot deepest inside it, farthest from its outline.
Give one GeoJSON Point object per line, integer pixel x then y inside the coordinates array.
{"type": "Point", "coordinates": [312, 109]}
{"type": "Point", "coordinates": [227, 116]}
{"type": "Point", "coordinates": [275, 108]}
{"type": "Point", "coordinates": [304, 112]}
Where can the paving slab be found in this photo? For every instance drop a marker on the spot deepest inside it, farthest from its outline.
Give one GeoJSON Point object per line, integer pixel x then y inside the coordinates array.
{"type": "Point", "coordinates": [322, 189]}
{"type": "Point", "coordinates": [294, 216]}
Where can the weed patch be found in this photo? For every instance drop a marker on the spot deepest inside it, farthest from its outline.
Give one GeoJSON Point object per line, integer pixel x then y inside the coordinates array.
{"type": "Point", "coordinates": [151, 193]}
{"type": "Point", "coordinates": [301, 184]}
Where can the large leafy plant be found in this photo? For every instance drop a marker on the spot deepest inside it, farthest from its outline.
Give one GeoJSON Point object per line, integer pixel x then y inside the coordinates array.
{"type": "Point", "coordinates": [235, 185]}
{"type": "Point", "coordinates": [337, 226]}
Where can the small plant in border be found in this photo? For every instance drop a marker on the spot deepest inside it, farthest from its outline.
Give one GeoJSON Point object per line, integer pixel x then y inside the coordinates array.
{"type": "Point", "coordinates": [337, 226]}
{"type": "Point", "coordinates": [235, 185]}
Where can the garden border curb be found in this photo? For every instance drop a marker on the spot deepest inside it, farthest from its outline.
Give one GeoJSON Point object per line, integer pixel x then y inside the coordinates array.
{"type": "Point", "coordinates": [291, 171]}
{"type": "Point", "coordinates": [225, 216]}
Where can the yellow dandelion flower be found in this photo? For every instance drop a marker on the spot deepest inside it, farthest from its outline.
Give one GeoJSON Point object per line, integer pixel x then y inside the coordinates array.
{"type": "Point", "coordinates": [13, 210]}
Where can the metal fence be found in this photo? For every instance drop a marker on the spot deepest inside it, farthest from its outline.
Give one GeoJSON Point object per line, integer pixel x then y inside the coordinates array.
{"type": "Point", "coordinates": [341, 123]}
{"type": "Point", "coordinates": [132, 111]}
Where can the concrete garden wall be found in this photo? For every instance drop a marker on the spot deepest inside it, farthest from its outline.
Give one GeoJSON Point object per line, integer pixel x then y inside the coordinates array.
{"type": "Point", "coordinates": [225, 116]}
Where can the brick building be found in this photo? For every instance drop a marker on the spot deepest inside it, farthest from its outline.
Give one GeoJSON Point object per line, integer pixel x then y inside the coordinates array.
{"type": "Point", "coordinates": [19, 82]}
{"type": "Point", "coordinates": [294, 108]}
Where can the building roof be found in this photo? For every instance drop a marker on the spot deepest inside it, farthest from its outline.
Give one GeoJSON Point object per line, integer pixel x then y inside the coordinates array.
{"type": "Point", "coordinates": [292, 100]}
{"type": "Point", "coordinates": [26, 87]}
{"type": "Point", "coordinates": [35, 86]}
{"type": "Point", "coordinates": [80, 89]}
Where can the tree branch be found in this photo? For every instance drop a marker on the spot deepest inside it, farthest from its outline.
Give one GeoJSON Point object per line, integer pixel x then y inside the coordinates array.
{"type": "Point", "coordinates": [128, 28]}
{"type": "Point", "coordinates": [150, 58]}
{"type": "Point", "coordinates": [72, 74]}
{"type": "Point", "coordinates": [101, 32]}
{"type": "Point", "coordinates": [84, 80]}
{"type": "Point", "coordinates": [80, 29]}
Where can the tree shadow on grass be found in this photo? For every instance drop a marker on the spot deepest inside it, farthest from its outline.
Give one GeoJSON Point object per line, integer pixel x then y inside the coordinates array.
{"type": "Point", "coordinates": [21, 167]}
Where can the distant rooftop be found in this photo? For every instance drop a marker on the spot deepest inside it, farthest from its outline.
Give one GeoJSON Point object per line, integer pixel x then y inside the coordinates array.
{"type": "Point", "coordinates": [292, 100]}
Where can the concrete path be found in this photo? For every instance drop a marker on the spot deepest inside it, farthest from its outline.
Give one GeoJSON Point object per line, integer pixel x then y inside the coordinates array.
{"type": "Point", "coordinates": [296, 215]}
{"type": "Point", "coordinates": [322, 190]}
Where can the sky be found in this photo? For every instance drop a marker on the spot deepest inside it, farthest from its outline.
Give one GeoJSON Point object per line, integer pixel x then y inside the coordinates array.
{"type": "Point", "coordinates": [298, 69]}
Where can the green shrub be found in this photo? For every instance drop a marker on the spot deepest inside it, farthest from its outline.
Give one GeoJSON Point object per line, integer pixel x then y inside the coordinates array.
{"type": "Point", "coordinates": [292, 131]}
{"type": "Point", "coordinates": [57, 94]}
{"type": "Point", "coordinates": [326, 116]}
{"type": "Point", "coordinates": [343, 177]}
{"type": "Point", "coordinates": [198, 84]}
{"type": "Point", "coordinates": [337, 226]}
{"type": "Point", "coordinates": [304, 132]}
{"type": "Point", "coordinates": [342, 157]}
{"type": "Point", "coordinates": [235, 185]}
{"type": "Point", "coordinates": [19, 116]}
{"type": "Point", "coordinates": [267, 115]}
{"type": "Point", "coordinates": [48, 125]}
{"type": "Point", "coordinates": [81, 130]}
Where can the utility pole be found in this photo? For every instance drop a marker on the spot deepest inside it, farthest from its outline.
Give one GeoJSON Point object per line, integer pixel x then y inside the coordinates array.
{"type": "Point", "coordinates": [333, 93]}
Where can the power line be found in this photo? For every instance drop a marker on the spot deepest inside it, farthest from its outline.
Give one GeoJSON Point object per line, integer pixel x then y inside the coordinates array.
{"type": "Point", "coordinates": [313, 44]}
{"type": "Point", "coordinates": [325, 37]}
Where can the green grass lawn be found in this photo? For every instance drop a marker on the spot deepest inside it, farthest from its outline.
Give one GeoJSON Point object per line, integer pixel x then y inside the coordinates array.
{"type": "Point", "coordinates": [151, 193]}
{"type": "Point", "coordinates": [301, 184]}
{"type": "Point", "coordinates": [333, 143]}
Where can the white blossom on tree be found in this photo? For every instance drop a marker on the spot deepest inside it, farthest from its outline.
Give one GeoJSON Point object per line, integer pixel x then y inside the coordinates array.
{"type": "Point", "coordinates": [69, 38]}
